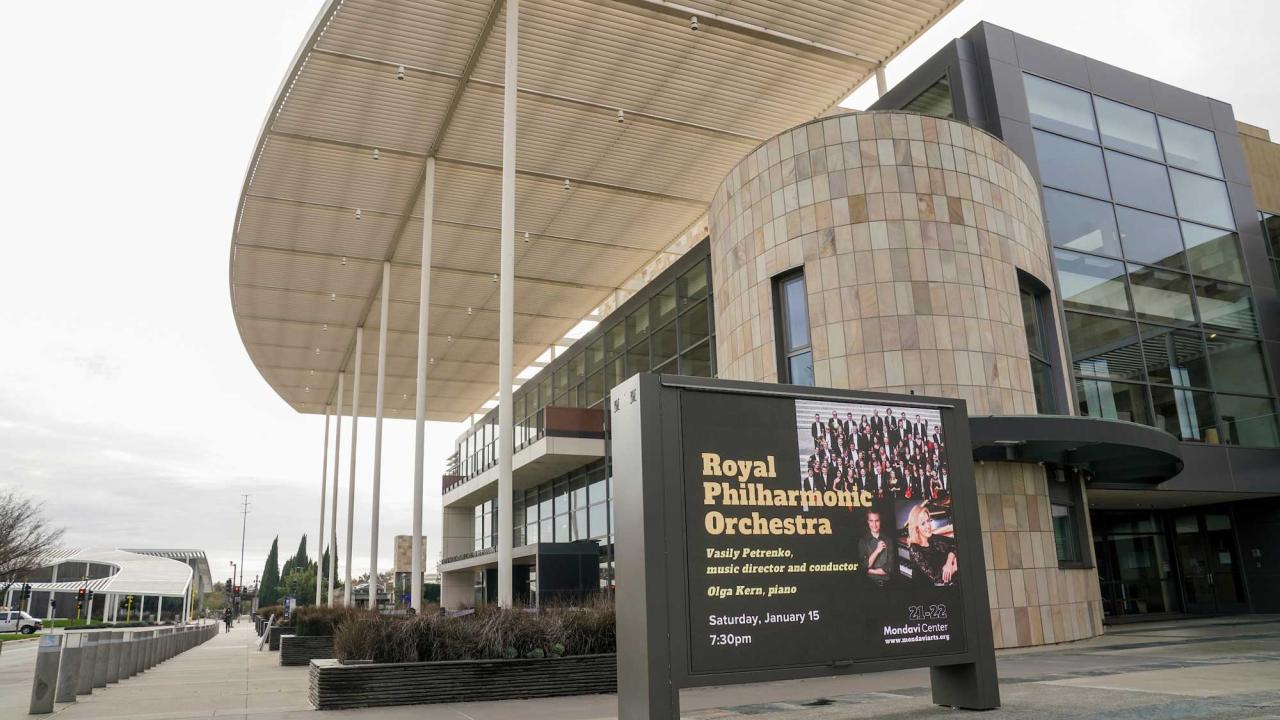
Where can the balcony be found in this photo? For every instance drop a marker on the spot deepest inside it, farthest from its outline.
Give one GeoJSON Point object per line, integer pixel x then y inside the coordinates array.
{"type": "Point", "coordinates": [565, 439]}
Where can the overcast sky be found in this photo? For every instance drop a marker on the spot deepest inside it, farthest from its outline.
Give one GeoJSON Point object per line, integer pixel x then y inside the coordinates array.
{"type": "Point", "coordinates": [127, 402]}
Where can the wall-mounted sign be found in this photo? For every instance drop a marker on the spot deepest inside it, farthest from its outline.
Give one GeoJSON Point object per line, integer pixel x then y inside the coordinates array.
{"type": "Point", "coordinates": [807, 533]}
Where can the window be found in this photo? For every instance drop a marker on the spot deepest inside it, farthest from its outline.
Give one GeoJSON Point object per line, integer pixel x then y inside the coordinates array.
{"type": "Point", "coordinates": [1190, 147]}
{"type": "Point", "coordinates": [1079, 223]}
{"type": "Point", "coordinates": [1149, 238]}
{"type": "Point", "coordinates": [1091, 283]}
{"type": "Point", "coordinates": [1202, 199]}
{"type": "Point", "coordinates": [1112, 400]}
{"type": "Point", "coordinates": [1033, 320]}
{"type": "Point", "coordinates": [1128, 129]}
{"type": "Point", "coordinates": [1105, 347]}
{"type": "Point", "coordinates": [1238, 365]}
{"type": "Point", "coordinates": [1066, 508]}
{"type": "Point", "coordinates": [1249, 421]}
{"type": "Point", "coordinates": [1226, 307]}
{"type": "Point", "coordinates": [1161, 295]}
{"type": "Point", "coordinates": [935, 100]}
{"type": "Point", "coordinates": [1213, 252]}
{"type": "Point", "coordinates": [1185, 414]}
{"type": "Point", "coordinates": [1071, 165]}
{"type": "Point", "coordinates": [1060, 108]}
{"type": "Point", "coordinates": [1139, 183]}
{"type": "Point", "coordinates": [1175, 357]}
{"type": "Point", "coordinates": [795, 361]}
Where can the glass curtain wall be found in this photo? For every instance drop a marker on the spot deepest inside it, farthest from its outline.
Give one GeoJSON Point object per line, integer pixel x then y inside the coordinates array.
{"type": "Point", "coordinates": [1159, 314]}
{"type": "Point", "coordinates": [672, 331]}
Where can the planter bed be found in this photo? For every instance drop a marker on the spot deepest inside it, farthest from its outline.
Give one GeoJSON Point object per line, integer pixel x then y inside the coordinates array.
{"type": "Point", "coordinates": [302, 649]}
{"type": "Point", "coordinates": [273, 640]}
{"type": "Point", "coordinates": [335, 686]}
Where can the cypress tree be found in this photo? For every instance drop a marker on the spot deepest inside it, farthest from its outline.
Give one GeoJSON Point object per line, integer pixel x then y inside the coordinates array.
{"type": "Point", "coordinates": [269, 590]}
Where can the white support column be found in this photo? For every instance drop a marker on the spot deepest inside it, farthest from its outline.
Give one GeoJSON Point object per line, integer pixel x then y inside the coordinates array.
{"type": "Point", "coordinates": [48, 610]}
{"type": "Point", "coordinates": [881, 84]}
{"type": "Point", "coordinates": [383, 318]}
{"type": "Point", "coordinates": [506, 302]}
{"type": "Point", "coordinates": [333, 498]}
{"type": "Point", "coordinates": [324, 482]}
{"type": "Point", "coordinates": [420, 394]}
{"type": "Point", "coordinates": [351, 481]}
{"type": "Point", "coordinates": [106, 605]}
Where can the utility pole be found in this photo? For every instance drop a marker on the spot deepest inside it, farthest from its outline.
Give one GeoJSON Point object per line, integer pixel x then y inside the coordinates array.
{"type": "Point", "coordinates": [244, 522]}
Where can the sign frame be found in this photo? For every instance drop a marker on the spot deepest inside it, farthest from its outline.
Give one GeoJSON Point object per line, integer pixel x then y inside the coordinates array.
{"type": "Point", "coordinates": [651, 543]}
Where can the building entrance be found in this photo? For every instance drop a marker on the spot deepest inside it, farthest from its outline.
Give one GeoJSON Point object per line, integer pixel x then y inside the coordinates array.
{"type": "Point", "coordinates": [1208, 563]}
{"type": "Point", "coordinates": [1135, 564]}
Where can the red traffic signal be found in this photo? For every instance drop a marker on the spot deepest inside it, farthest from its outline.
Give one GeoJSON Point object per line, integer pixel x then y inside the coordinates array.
{"type": "Point", "coordinates": [81, 593]}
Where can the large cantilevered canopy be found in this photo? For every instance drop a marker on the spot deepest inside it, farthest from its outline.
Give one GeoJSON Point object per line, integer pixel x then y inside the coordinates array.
{"type": "Point", "coordinates": [628, 121]}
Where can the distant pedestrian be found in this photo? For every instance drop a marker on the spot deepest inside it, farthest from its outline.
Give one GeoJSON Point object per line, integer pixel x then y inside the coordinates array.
{"type": "Point", "coordinates": [226, 618]}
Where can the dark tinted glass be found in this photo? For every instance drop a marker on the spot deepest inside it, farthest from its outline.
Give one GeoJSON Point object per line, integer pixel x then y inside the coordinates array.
{"type": "Point", "coordinates": [693, 326]}
{"type": "Point", "coordinates": [1238, 365]}
{"type": "Point", "coordinates": [1112, 400]}
{"type": "Point", "coordinates": [936, 100]}
{"type": "Point", "coordinates": [1071, 165]}
{"type": "Point", "coordinates": [693, 284]}
{"type": "Point", "coordinates": [1175, 357]}
{"type": "Point", "coordinates": [1185, 414]}
{"type": "Point", "coordinates": [1248, 421]}
{"type": "Point", "coordinates": [1128, 129]}
{"type": "Point", "coordinates": [800, 369]}
{"type": "Point", "coordinates": [1271, 224]}
{"type": "Point", "coordinates": [1080, 223]}
{"type": "Point", "coordinates": [664, 343]}
{"type": "Point", "coordinates": [697, 362]}
{"type": "Point", "coordinates": [1031, 323]}
{"type": "Point", "coordinates": [1090, 283]}
{"type": "Point", "coordinates": [1161, 295]}
{"type": "Point", "coordinates": [1149, 238]}
{"type": "Point", "coordinates": [1213, 252]}
{"type": "Point", "coordinates": [1139, 183]}
{"type": "Point", "coordinates": [1059, 108]}
{"type": "Point", "coordinates": [795, 313]}
{"type": "Point", "coordinates": [664, 304]}
{"type": "Point", "coordinates": [1104, 347]}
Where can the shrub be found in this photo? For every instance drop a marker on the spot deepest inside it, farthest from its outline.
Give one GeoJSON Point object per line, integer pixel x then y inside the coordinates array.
{"type": "Point", "coordinates": [490, 633]}
{"type": "Point", "coordinates": [323, 620]}
{"type": "Point", "coordinates": [269, 610]}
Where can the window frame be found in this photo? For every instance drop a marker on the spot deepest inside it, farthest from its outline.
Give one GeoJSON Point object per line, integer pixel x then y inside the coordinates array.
{"type": "Point", "coordinates": [785, 351]}
{"type": "Point", "coordinates": [1064, 490]}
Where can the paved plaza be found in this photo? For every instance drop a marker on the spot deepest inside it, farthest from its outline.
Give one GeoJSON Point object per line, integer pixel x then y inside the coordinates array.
{"type": "Point", "coordinates": [1204, 668]}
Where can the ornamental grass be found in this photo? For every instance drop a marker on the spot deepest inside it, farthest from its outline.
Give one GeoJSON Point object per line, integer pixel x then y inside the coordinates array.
{"type": "Point", "coordinates": [489, 633]}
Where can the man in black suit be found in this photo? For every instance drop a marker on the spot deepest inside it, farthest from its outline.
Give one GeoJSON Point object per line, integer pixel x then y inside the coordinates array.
{"type": "Point", "coordinates": [816, 429]}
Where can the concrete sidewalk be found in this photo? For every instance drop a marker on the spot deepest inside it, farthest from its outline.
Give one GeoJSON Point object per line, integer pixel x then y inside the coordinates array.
{"type": "Point", "coordinates": [1201, 668]}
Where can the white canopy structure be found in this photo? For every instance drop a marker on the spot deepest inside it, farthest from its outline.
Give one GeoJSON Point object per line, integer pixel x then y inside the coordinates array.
{"type": "Point", "coordinates": [140, 574]}
{"type": "Point", "coordinates": [392, 146]}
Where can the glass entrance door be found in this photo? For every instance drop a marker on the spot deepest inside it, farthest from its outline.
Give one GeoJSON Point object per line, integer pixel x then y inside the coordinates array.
{"type": "Point", "coordinates": [1135, 565]}
{"type": "Point", "coordinates": [1208, 563]}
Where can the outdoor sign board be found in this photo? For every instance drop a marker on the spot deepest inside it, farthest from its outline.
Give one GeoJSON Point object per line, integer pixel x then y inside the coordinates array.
{"type": "Point", "coordinates": [768, 532]}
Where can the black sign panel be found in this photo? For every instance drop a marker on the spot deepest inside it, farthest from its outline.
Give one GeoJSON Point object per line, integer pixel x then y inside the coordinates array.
{"type": "Point", "coordinates": [817, 532]}
{"type": "Point", "coordinates": [768, 532]}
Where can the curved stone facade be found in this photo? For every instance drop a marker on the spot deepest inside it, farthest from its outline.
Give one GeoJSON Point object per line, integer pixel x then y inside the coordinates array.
{"type": "Point", "coordinates": [911, 231]}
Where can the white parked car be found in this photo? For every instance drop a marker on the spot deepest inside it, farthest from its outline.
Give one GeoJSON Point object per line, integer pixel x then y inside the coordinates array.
{"type": "Point", "coordinates": [12, 621]}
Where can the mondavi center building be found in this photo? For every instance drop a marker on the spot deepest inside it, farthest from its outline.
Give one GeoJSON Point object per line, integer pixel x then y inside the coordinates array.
{"type": "Point", "coordinates": [1087, 257]}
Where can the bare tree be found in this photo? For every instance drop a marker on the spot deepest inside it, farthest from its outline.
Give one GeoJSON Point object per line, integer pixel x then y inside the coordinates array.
{"type": "Point", "coordinates": [26, 538]}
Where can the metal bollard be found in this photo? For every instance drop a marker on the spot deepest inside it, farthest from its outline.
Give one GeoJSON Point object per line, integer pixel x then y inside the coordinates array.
{"type": "Point", "coordinates": [115, 653]}
{"type": "Point", "coordinates": [69, 668]}
{"type": "Point", "coordinates": [139, 652]}
{"type": "Point", "coordinates": [88, 664]}
{"type": "Point", "coordinates": [45, 682]}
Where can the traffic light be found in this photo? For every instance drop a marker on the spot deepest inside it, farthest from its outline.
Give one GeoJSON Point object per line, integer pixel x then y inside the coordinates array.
{"type": "Point", "coordinates": [81, 593]}
{"type": "Point", "coordinates": [26, 592]}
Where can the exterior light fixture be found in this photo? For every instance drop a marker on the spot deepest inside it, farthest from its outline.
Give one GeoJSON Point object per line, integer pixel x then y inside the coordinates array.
{"type": "Point", "coordinates": [313, 372]}
{"type": "Point", "coordinates": [449, 338]}
{"type": "Point", "coordinates": [468, 311]}
{"type": "Point", "coordinates": [358, 213]}
{"type": "Point", "coordinates": [400, 73]}
{"type": "Point", "coordinates": [376, 154]}
{"type": "Point", "coordinates": [622, 117]}
{"type": "Point", "coordinates": [333, 297]}
{"type": "Point", "coordinates": [306, 389]}
{"type": "Point", "coordinates": [317, 351]}
{"type": "Point", "coordinates": [431, 361]}
{"type": "Point", "coordinates": [404, 396]}
{"type": "Point", "coordinates": [495, 277]}
{"type": "Point", "coordinates": [344, 260]}
{"type": "Point", "coordinates": [324, 327]}
{"type": "Point", "coordinates": [526, 237]}
{"type": "Point", "coordinates": [566, 184]}
{"type": "Point", "coordinates": [693, 23]}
